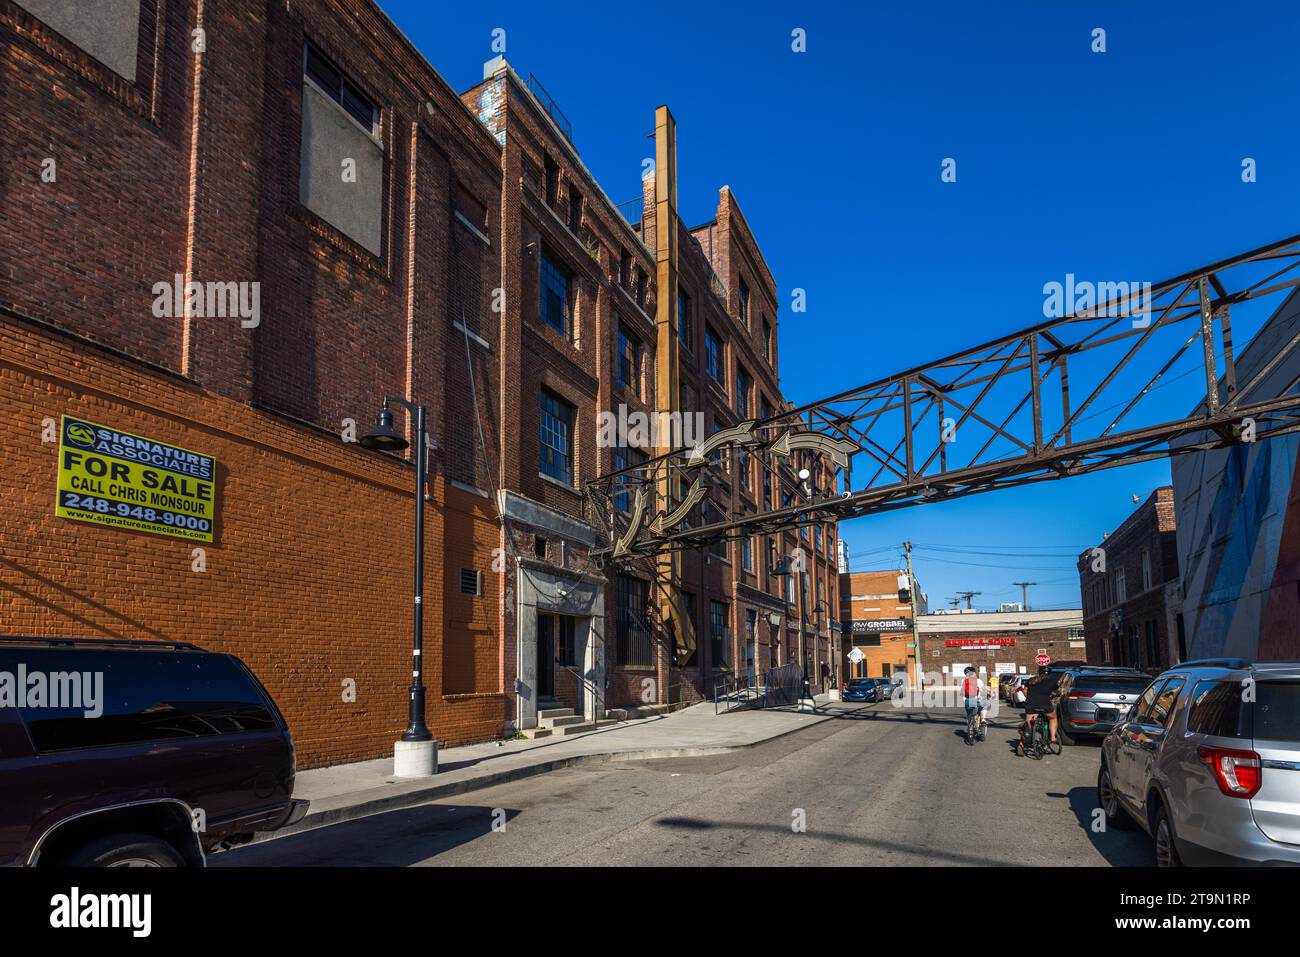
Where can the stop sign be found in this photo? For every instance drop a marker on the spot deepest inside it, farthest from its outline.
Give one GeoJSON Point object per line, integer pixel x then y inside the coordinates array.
{"type": "Point", "coordinates": [1043, 660]}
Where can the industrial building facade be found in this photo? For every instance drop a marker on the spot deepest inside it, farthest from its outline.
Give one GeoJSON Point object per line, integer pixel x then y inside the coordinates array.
{"type": "Point", "coordinates": [1130, 586]}
{"type": "Point", "coordinates": [877, 612]}
{"type": "Point", "coordinates": [995, 642]}
{"type": "Point", "coordinates": [234, 229]}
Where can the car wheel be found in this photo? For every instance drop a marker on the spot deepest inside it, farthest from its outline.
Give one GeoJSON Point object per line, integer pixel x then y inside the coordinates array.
{"type": "Point", "coordinates": [124, 850]}
{"type": "Point", "coordinates": [1166, 849]}
{"type": "Point", "coordinates": [1108, 799]}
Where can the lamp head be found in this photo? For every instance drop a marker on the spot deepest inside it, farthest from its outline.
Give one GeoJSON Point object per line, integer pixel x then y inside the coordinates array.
{"type": "Point", "coordinates": [383, 437]}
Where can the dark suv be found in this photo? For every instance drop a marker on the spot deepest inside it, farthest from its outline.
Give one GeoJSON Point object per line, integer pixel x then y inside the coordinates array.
{"type": "Point", "coordinates": [134, 753]}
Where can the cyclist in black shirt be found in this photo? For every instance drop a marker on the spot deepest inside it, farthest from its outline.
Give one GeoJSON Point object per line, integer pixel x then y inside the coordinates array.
{"type": "Point", "coordinates": [1040, 698]}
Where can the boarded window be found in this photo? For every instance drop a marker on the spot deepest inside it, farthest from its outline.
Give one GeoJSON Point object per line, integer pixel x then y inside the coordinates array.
{"type": "Point", "coordinates": [341, 169]}
{"type": "Point", "coordinates": [110, 32]}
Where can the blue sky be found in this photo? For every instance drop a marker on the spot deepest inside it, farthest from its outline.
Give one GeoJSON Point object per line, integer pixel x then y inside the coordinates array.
{"type": "Point", "coordinates": [1123, 164]}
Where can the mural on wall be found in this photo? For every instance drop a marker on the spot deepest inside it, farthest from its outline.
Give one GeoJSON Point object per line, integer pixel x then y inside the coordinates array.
{"type": "Point", "coordinates": [1238, 512]}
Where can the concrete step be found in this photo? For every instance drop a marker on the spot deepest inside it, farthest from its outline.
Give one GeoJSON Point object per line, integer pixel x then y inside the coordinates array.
{"type": "Point", "coordinates": [560, 721]}
{"type": "Point", "coordinates": [639, 711]}
{"type": "Point", "coordinates": [537, 732]}
{"type": "Point", "coordinates": [545, 713]}
{"type": "Point", "coordinates": [584, 726]}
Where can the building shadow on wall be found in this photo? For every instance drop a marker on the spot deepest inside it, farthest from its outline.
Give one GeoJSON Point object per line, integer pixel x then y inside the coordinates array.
{"type": "Point", "coordinates": [95, 628]}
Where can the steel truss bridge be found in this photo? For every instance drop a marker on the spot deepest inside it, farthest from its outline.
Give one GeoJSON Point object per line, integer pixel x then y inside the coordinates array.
{"type": "Point", "coordinates": [1068, 396]}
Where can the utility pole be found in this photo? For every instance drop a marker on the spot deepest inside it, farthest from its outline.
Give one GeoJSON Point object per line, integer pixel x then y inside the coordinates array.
{"type": "Point", "coordinates": [968, 595]}
{"type": "Point", "coordinates": [1024, 593]}
{"type": "Point", "coordinates": [911, 600]}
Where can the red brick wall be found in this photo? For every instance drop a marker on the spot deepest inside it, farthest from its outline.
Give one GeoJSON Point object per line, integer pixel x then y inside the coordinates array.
{"type": "Point", "coordinates": [308, 580]}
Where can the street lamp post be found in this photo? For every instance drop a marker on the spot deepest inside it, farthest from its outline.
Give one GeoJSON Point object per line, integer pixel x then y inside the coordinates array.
{"type": "Point", "coordinates": [416, 752]}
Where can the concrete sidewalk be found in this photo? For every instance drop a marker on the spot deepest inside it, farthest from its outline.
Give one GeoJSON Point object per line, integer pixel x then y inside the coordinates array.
{"type": "Point", "coordinates": [349, 791]}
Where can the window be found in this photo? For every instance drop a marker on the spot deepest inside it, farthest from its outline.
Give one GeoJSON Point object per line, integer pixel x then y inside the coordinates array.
{"type": "Point", "coordinates": [552, 183]}
{"type": "Point", "coordinates": [719, 632]}
{"type": "Point", "coordinates": [471, 581]}
{"type": "Point", "coordinates": [744, 385]}
{"type": "Point", "coordinates": [112, 37]}
{"type": "Point", "coordinates": [555, 295]}
{"type": "Point", "coordinates": [817, 537]}
{"type": "Point", "coordinates": [628, 369]}
{"type": "Point", "coordinates": [713, 356]}
{"type": "Point", "coordinates": [341, 164]}
{"type": "Point", "coordinates": [568, 651]}
{"type": "Point", "coordinates": [151, 696]}
{"type": "Point", "coordinates": [625, 269]}
{"type": "Point", "coordinates": [1146, 569]}
{"type": "Point", "coordinates": [747, 553]}
{"type": "Point", "coordinates": [1121, 588]}
{"type": "Point", "coordinates": [1277, 711]}
{"type": "Point", "coordinates": [767, 340]}
{"type": "Point", "coordinates": [1163, 706]}
{"type": "Point", "coordinates": [1216, 709]}
{"type": "Point", "coordinates": [1153, 642]}
{"type": "Point", "coordinates": [632, 640]}
{"type": "Point", "coordinates": [575, 210]}
{"type": "Point", "coordinates": [334, 84]}
{"type": "Point", "coordinates": [557, 438]}
{"type": "Point", "coordinates": [744, 466]}
{"type": "Point", "coordinates": [742, 302]}
{"type": "Point", "coordinates": [625, 457]}
{"type": "Point", "coordinates": [683, 319]}
{"type": "Point", "coordinates": [640, 288]}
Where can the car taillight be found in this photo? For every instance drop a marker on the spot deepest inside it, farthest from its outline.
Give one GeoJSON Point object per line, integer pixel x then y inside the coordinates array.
{"type": "Point", "coordinates": [1237, 773]}
{"type": "Point", "coordinates": [1082, 694]}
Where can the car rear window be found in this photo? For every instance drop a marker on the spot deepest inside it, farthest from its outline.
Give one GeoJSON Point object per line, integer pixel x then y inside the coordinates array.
{"type": "Point", "coordinates": [95, 698]}
{"type": "Point", "coordinates": [1277, 710]}
{"type": "Point", "coordinates": [1120, 683]}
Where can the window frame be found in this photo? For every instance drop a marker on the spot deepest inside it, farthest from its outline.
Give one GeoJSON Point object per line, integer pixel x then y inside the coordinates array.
{"type": "Point", "coordinates": [570, 424]}
{"type": "Point", "coordinates": [340, 88]}
{"type": "Point", "coordinates": [555, 266]}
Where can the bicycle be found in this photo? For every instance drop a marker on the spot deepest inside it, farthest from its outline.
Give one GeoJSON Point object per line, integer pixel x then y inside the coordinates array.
{"type": "Point", "coordinates": [1040, 739]}
{"type": "Point", "coordinates": [976, 727]}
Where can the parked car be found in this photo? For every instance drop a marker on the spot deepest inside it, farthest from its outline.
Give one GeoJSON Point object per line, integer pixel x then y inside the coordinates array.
{"type": "Point", "coordinates": [1005, 683]}
{"type": "Point", "coordinates": [1016, 693]}
{"type": "Point", "coordinates": [187, 755]}
{"type": "Point", "coordinates": [1093, 699]}
{"type": "Point", "coordinates": [1208, 763]}
{"type": "Point", "coordinates": [862, 689]}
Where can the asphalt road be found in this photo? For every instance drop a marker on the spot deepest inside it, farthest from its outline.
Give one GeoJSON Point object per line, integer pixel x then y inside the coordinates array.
{"type": "Point", "coordinates": [877, 787]}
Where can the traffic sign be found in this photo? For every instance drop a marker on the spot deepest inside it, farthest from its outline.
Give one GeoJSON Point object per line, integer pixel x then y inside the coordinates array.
{"type": "Point", "coordinates": [1043, 659]}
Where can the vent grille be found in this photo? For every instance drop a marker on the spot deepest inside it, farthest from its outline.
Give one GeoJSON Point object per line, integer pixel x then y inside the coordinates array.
{"type": "Point", "coordinates": [471, 582]}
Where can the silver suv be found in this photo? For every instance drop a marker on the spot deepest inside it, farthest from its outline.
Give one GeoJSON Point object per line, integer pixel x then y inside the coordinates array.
{"type": "Point", "coordinates": [1208, 763]}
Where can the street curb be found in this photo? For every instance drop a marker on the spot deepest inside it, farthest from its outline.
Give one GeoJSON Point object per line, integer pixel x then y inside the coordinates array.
{"type": "Point", "coordinates": [394, 802]}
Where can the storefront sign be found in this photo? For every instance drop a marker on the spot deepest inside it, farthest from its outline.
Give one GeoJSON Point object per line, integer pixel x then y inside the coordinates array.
{"type": "Point", "coordinates": [980, 643]}
{"type": "Point", "coordinates": [881, 624]}
{"type": "Point", "coordinates": [113, 478]}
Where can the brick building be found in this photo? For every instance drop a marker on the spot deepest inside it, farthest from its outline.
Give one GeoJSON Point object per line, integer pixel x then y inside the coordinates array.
{"type": "Point", "coordinates": [1132, 610]}
{"type": "Point", "coordinates": [878, 621]}
{"type": "Point", "coordinates": [234, 229]}
{"type": "Point", "coordinates": [997, 642]}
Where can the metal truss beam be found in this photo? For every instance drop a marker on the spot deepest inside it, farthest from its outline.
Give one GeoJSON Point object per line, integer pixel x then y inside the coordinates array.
{"type": "Point", "coordinates": [1067, 396]}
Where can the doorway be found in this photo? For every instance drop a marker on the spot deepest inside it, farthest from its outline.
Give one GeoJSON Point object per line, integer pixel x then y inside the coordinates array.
{"type": "Point", "coordinates": [556, 650]}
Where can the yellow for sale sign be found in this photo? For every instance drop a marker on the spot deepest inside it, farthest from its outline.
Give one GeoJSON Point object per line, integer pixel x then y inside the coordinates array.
{"type": "Point", "coordinates": [115, 478]}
